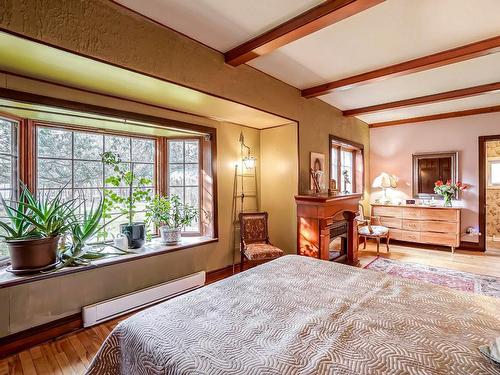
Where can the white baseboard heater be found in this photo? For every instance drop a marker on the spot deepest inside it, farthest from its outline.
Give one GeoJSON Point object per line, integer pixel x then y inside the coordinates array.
{"type": "Point", "coordinates": [112, 308]}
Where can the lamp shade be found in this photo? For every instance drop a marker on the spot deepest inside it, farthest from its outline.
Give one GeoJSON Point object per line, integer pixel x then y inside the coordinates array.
{"type": "Point", "coordinates": [385, 181]}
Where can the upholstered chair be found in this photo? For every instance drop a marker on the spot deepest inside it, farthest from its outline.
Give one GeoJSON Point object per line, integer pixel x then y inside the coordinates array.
{"type": "Point", "coordinates": [371, 227]}
{"type": "Point", "coordinates": [255, 245]}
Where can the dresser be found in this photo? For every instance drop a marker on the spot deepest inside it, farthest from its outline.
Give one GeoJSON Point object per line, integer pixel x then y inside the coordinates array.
{"type": "Point", "coordinates": [422, 224]}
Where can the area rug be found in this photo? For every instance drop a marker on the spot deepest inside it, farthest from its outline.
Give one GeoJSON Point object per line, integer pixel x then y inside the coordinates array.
{"type": "Point", "coordinates": [464, 281]}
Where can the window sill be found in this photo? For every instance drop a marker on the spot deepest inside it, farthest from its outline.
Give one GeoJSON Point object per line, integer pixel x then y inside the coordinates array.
{"type": "Point", "coordinates": [152, 248]}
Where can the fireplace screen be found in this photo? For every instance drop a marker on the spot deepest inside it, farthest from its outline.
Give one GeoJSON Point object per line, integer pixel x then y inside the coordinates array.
{"type": "Point", "coordinates": [338, 241]}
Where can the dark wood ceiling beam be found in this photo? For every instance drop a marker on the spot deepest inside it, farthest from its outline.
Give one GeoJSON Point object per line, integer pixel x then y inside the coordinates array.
{"type": "Point", "coordinates": [312, 20]}
{"type": "Point", "coordinates": [439, 116]}
{"type": "Point", "coordinates": [434, 98]}
{"type": "Point", "coordinates": [469, 51]}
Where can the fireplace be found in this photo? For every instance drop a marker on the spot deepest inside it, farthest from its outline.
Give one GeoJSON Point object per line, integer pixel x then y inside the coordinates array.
{"type": "Point", "coordinates": [326, 228]}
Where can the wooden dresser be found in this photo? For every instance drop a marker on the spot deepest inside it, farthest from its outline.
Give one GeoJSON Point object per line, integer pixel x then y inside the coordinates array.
{"type": "Point", "coordinates": [423, 224]}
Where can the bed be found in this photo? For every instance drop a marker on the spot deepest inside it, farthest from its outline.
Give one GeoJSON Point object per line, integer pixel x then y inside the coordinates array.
{"type": "Point", "coordinates": [299, 315]}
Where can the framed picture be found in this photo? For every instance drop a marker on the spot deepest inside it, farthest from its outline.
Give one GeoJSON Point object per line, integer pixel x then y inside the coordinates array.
{"type": "Point", "coordinates": [317, 164]}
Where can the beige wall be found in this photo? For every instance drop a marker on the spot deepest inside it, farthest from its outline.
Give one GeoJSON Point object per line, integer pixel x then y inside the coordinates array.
{"type": "Point", "coordinates": [279, 166]}
{"type": "Point", "coordinates": [103, 30]}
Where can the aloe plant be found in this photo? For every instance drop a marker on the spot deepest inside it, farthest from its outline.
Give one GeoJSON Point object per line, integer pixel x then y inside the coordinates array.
{"type": "Point", "coordinates": [36, 218]}
{"type": "Point", "coordinates": [84, 228]}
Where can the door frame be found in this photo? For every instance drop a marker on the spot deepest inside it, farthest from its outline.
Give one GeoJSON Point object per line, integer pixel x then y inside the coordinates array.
{"type": "Point", "coordinates": [482, 187]}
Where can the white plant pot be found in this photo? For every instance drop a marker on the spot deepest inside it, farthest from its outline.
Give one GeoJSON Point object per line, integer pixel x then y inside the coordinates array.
{"type": "Point", "coordinates": [170, 236]}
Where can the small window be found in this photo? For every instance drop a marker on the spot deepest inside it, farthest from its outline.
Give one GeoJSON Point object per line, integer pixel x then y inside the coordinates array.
{"type": "Point", "coordinates": [494, 173]}
{"type": "Point", "coordinates": [346, 166]}
{"type": "Point", "coordinates": [8, 168]}
{"type": "Point", "coordinates": [184, 175]}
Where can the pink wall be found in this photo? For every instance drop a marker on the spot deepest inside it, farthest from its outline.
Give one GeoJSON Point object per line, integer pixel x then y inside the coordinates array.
{"type": "Point", "coordinates": [391, 150]}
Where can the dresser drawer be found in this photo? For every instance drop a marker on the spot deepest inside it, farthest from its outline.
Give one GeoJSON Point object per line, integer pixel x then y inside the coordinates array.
{"type": "Point", "coordinates": [411, 236]}
{"type": "Point", "coordinates": [445, 239]}
{"type": "Point", "coordinates": [391, 222]}
{"type": "Point", "coordinates": [396, 234]}
{"type": "Point", "coordinates": [411, 213]}
{"type": "Point", "coordinates": [411, 225]}
{"type": "Point", "coordinates": [438, 226]}
{"type": "Point", "coordinates": [441, 214]}
{"type": "Point", "coordinates": [387, 211]}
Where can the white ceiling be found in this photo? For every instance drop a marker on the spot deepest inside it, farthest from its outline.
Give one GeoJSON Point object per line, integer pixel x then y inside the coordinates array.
{"type": "Point", "coordinates": [391, 32]}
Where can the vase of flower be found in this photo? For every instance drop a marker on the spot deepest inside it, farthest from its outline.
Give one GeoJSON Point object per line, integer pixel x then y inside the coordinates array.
{"type": "Point", "coordinates": [448, 190]}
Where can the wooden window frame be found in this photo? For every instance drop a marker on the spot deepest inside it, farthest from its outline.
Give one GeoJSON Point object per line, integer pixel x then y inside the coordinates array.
{"type": "Point", "coordinates": [340, 144]}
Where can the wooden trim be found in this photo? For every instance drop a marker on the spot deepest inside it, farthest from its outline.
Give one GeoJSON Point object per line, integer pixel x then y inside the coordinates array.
{"type": "Point", "coordinates": [482, 187]}
{"type": "Point", "coordinates": [462, 53]}
{"type": "Point", "coordinates": [17, 342]}
{"type": "Point", "coordinates": [356, 147]}
{"type": "Point", "coordinates": [434, 98]}
{"type": "Point", "coordinates": [25, 97]}
{"type": "Point", "coordinates": [439, 116]}
{"type": "Point", "coordinates": [310, 21]}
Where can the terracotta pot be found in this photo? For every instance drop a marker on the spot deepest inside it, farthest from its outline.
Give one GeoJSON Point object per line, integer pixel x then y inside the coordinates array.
{"type": "Point", "coordinates": [33, 253]}
{"type": "Point", "coordinates": [170, 236]}
{"type": "Point", "coordinates": [136, 234]}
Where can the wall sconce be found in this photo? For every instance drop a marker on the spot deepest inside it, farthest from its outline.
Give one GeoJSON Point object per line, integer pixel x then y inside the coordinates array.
{"type": "Point", "coordinates": [248, 160]}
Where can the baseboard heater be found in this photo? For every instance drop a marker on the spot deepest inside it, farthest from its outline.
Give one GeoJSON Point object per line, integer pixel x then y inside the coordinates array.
{"type": "Point", "coordinates": [112, 308]}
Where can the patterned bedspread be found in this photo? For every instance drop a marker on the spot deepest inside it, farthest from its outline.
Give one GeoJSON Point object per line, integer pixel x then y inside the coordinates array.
{"type": "Point", "coordinates": [298, 315]}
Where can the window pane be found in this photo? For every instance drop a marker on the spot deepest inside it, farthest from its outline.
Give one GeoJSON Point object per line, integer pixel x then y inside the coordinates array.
{"type": "Point", "coordinates": [6, 128]}
{"type": "Point", "coordinates": [53, 173]}
{"type": "Point", "coordinates": [176, 174]}
{"type": "Point", "coordinates": [144, 171]}
{"type": "Point", "coordinates": [495, 173]}
{"type": "Point", "coordinates": [179, 191]}
{"type": "Point", "coordinates": [192, 152]}
{"type": "Point", "coordinates": [119, 145]}
{"type": "Point", "coordinates": [192, 174]}
{"type": "Point", "coordinates": [192, 196]}
{"type": "Point", "coordinates": [67, 194]}
{"type": "Point", "coordinates": [88, 174]}
{"type": "Point", "coordinates": [6, 177]}
{"type": "Point", "coordinates": [143, 150]}
{"type": "Point", "coordinates": [88, 146]}
{"type": "Point", "coordinates": [175, 151]}
{"type": "Point", "coordinates": [54, 143]}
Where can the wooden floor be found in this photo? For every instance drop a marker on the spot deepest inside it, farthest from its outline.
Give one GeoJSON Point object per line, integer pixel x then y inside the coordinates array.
{"type": "Point", "coordinates": [72, 354]}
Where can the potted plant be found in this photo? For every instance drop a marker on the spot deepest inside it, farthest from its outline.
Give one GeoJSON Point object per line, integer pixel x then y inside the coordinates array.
{"type": "Point", "coordinates": [33, 229]}
{"type": "Point", "coordinates": [84, 227]}
{"type": "Point", "coordinates": [170, 215]}
{"type": "Point", "coordinates": [448, 190]}
{"type": "Point", "coordinates": [137, 192]}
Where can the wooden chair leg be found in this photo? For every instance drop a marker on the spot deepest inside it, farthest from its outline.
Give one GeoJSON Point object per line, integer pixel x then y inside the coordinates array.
{"type": "Point", "coordinates": [378, 245]}
{"type": "Point", "coordinates": [241, 262]}
{"type": "Point", "coordinates": [387, 239]}
{"type": "Point", "coordinates": [364, 243]}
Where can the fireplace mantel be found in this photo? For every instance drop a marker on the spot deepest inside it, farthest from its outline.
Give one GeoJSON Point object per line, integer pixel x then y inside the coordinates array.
{"type": "Point", "coordinates": [315, 216]}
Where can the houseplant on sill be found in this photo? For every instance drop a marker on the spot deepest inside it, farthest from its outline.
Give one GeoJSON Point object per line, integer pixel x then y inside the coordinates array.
{"type": "Point", "coordinates": [34, 228]}
{"type": "Point", "coordinates": [137, 192]}
{"type": "Point", "coordinates": [84, 227]}
{"type": "Point", "coordinates": [170, 215]}
{"type": "Point", "coordinates": [448, 190]}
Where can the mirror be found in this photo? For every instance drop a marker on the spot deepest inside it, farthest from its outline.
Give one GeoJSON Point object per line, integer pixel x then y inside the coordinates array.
{"type": "Point", "coordinates": [430, 167]}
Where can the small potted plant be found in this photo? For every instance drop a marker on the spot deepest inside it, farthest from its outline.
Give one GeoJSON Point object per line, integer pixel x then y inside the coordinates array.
{"type": "Point", "coordinates": [448, 190]}
{"type": "Point", "coordinates": [137, 192]}
{"type": "Point", "coordinates": [33, 229]}
{"type": "Point", "coordinates": [170, 215]}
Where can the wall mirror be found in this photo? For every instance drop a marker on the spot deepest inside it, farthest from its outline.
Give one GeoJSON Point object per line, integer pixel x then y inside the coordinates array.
{"type": "Point", "coordinates": [429, 167]}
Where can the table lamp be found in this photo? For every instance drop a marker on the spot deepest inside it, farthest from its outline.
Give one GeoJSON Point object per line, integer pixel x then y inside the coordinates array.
{"type": "Point", "coordinates": [385, 181]}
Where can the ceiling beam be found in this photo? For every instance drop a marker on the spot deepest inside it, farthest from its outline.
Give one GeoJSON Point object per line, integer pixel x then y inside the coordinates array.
{"type": "Point", "coordinates": [439, 116]}
{"type": "Point", "coordinates": [312, 20]}
{"type": "Point", "coordinates": [451, 56]}
{"type": "Point", "coordinates": [434, 98]}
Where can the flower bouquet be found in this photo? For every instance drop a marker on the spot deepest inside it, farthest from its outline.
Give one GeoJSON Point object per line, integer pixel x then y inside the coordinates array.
{"type": "Point", "coordinates": [448, 190]}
